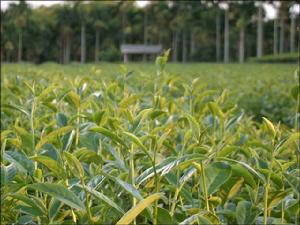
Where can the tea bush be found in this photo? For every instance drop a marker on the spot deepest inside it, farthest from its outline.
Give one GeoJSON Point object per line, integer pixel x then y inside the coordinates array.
{"type": "Point", "coordinates": [128, 149]}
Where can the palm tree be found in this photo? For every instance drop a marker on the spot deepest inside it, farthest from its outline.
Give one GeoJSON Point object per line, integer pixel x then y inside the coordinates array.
{"type": "Point", "coordinates": [98, 26]}
{"type": "Point", "coordinates": [20, 23]}
{"type": "Point", "coordinates": [226, 35]}
{"type": "Point", "coordinates": [293, 17]}
{"type": "Point", "coordinates": [175, 27]}
{"type": "Point", "coordinates": [218, 33]}
{"type": "Point", "coordinates": [145, 26]}
{"type": "Point", "coordinates": [64, 17]}
{"type": "Point", "coordinates": [283, 15]}
{"type": "Point", "coordinates": [275, 30]}
{"type": "Point", "coordinates": [243, 12]}
{"type": "Point", "coordinates": [82, 13]}
{"type": "Point", "coordinates": [259, 34]}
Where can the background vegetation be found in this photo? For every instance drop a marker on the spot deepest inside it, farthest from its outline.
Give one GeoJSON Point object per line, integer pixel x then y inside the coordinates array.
{"type": "Point", "coordinates": [195, 31]}
{"type": "Point", "coordinates": [137, 144]}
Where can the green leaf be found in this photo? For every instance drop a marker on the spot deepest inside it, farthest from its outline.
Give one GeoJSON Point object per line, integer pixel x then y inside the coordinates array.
{"type": "Point", "coordinates": [241, 171]}
{"type": "Point", "coordinates": [88, 156]}
{"type": "Point", "coordinates": [245, 214]}
{"type": "Point", "coordinates": [295, 92]}
{"type": "Point", "coordinates": [203, 217]}
{"type": "Point", "coordinates": [135, 140]}
{"type": "Point", "coordinates": [235, 188]}
{"type": "Point", "coordinates": [115, 138]}
{"type": "Point", "coordinates": [216, 174]}
{"type": "Point", "coordinates": [286, 142]}
{"type": "Point", "coordinates": [228, 150]}
{"type": "Point", "coordinates": [26, 137]}
{"type": "Point", "coordinates": [276, 198]}
{"type": "Point", "coordinates": [135, 211]}
{"type": "Point", "coordinates": [73, 99]}
{"type": "Point", "coordinates": [274, 177]}
{"type": "Point", "coordinates": [59, 192]}
{"type": "Point", "coordinates": [54, 207]}
{"type": "Point", "coordinates": [270, 127]}
{"type": "Point", "coordinates": [156, 113]}
{"type": "Point", "coordinates": [44, 93]}
{"type": "Point", "coordinates": [21, 161]}
{"type": "Point", "coordinates": [51, 164]}
{"type": "Point", "coordinates": [89, 140]}
{"type": "Point", "coordinates": [168, 164]}
{"type": "Point", "coordinates": [194, 125]}
{"type": "Point", "coordinates": [52, 136]}
{"type": "Point", "coordinates": [15, 107]}
{"type": "Point", "coordinates": [164, 217]}
{"type": "Point", "coordinates": [102, 197]}
{"type": "Point", "coordinates": [126, 186]}
{"type": "Point", "coordinates": [74, 165]}
{"type": "Point", "coordinates": [62, 120]}
{"type": "Point", "coordinates": [216, 110]}
{"type": "Point", "coordinates": [8, 173]}
{"type": "Point", "coordinates": [293, 181]}
{"type": "Point", "coordinates": [36, 206]}
{"type": "Point", "coordinates": [245, 165]}
{"type": "Point", "coordinates": [129, 100]}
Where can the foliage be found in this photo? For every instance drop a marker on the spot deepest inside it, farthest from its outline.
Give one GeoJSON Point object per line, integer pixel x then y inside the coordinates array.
{"type": "Point", "coordinates": [54, 33]}
{"type": "Point", "coordinates": [281, 58]}
{"type": "Point", "coordinates": [132, 148]}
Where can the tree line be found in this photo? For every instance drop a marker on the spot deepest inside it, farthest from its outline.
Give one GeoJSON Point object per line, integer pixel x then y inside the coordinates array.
{"type": "Point", "coordinates": [93, 31]}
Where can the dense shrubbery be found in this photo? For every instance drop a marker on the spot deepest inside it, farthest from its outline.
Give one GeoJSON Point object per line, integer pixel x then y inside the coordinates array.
{"type": "Point", "coordinates": [163, 148]}
{"type": "Point", "coordinates": [282, 58]}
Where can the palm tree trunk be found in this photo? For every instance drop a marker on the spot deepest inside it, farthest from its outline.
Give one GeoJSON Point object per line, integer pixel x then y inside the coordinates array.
{"type": "Point", "coordinates": [64, 51]}
{"type": "Point", "coordinates": [123, 28]}
{"type": "Point", "coordinates": [259, 50]}
{"type": "Point", "coordinates": [82, 43]}
{"type": "Point", "coordinates": [292, 37]}
{"type": "Point", "coordinates": [97, 46]}
{"type": "Point", "coordinates": [226, 37]}
{"type": "Point", "coordinates": [20, 47]}
{"type": "Point", "coordinates": [242, 45]}
{"type": "Point", "coordinates": [192, 45]}
{"type": "Point", "coordinates": [175, 46]}
{"type": "Point", "coordinates": [68, 49]}
{"type": "Point", "coordinates": [145, 32]}
{"type": "Point", "coordinates": [281, 43]}
{"type": "Point", "coordinates": [218, 37]}
{"type": "Point", "coordinates": [61, 52]}
{"type": "Point", "coordinates": [184, 49]}
{"type": "Point", "coordinates": [275, 40]}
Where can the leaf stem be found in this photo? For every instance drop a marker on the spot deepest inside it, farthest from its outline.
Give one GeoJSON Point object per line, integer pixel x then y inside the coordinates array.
{"type": "Point", "coordinates": [89, 214]}
{"type": "Point", "coordinates": [156, 187]}
{"type": "Point", "coordinates": [32, 129]}
{"type": "Point", "coordinates": [204, 186]}
{"type": "Point", "coordinates": [267, 185]}
{"type": "Point", "coordinates": [77, 127]}
{"type": "Point", "coordinates": [131, 162]}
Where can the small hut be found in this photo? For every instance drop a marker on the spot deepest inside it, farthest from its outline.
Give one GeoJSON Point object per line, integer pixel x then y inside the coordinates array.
{"type": "Point", "coordinates": [127, 49]}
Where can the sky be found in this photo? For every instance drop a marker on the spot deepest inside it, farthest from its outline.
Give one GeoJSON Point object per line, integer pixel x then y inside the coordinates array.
{"type": "Point", "coordinates": [271, 12]}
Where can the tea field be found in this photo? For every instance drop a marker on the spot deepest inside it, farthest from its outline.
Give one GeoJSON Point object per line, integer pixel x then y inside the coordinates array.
{"type": "Point", "coordinates": [150, 144]}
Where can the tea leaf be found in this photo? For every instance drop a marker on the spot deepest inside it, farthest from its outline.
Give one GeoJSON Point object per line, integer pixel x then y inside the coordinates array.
{"type": "Point", "coordinates": [59, 192]}
{"type": "Point", "coordinates": [135, 211]}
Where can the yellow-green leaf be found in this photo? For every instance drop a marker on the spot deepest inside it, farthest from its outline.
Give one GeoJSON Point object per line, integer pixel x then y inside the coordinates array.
{"type": "Point", "coordinates": [135, 211]}
{"type": "Point", "coordinates": [270, 127]}
{"type": "Point", "coordinates": [53, 135]}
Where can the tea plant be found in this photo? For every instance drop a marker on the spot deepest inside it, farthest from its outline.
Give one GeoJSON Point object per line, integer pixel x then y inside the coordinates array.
{"type": "Point", "coordinates": [141, 150]}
